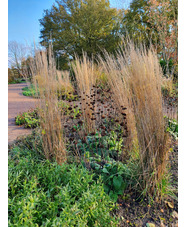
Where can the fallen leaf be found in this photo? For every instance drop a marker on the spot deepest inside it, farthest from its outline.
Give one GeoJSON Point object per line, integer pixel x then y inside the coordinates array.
{"type": "Point", "coordinates": [175, 214]}
{"type": "Point", "coordinates": [150, 225]}
{"type": "Point", "coordinates": [122, 218]}
{"type": "Point", "coordinates": [171, 205]}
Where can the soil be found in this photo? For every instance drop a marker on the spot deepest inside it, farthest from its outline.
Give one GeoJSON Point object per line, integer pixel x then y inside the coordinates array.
{"type": "Point", "coordinates": [17, 103]}
{"type": "Point", "coordinates": [164, 213]}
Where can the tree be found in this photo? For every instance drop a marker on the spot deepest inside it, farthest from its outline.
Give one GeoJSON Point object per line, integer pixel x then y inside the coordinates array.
{"type": "Point", "coordinates": [163, 17]}
{"type": "Point", "coordinates": [154, 22]}
{"type": "Point", "coordinates": [76, 25]}
{"type": "Point", "coordinates": [135, 23]}
{"type": "Point", "coordinates": [17, 52]}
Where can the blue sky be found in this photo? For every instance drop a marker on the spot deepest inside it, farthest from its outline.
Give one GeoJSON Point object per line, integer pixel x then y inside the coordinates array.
{"type": "Point", "coordinates": [24, 15]}
{"type": "Point", "coordinates": [23, 19]}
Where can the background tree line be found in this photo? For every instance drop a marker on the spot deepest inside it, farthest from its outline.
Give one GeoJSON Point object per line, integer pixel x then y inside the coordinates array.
{"type": "Point", "coordinates": [74, 26]}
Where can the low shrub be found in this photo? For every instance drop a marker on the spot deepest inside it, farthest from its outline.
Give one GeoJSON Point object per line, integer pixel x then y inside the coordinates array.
{"type": "Point", "coordinates": [17, 81]}
{"type": "Point", "coordinates": [29, 91]}
{"type": "Point", "coordinates": [29, 119]}
{"type": "Point", "coordinates": [47, 194]}
{"type": "Point", "coordinates": [116, 176]}
{"type": "Point", "coordinates": [109, 145]}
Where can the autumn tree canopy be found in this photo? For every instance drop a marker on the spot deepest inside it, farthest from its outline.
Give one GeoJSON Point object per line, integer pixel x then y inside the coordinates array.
{"type": "Point", "coordinates": [76, 25]}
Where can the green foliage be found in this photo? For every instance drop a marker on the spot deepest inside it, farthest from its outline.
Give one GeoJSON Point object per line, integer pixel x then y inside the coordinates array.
{"type": "Point", "coordinates": [47, 194]}
{"type": "Point", "coordinates": [116, 176]}
{"type": "Point", "coordinates": [75, 25]}
{"type": "Point", "coordinates": [172, 127]}
{"type": "Point", "coordinates": [17, 81]}
{"type": "Point", "coordinates": [105, 146]}
{"type": "Point", "coordinates": [167, 67]}
{"type": "Point", "coordinates": [14, 77]}
{"type": "Point", "coordinates": [102, 81]}
{"type": "Point", "coordinates": [29, 91]}
{"type": "Point", "coordinates": [135, 23]}
{"type": "Point", "coordinates": [62, 93]}
{"type": "Point", "coordinates": [68, 96]}
{"type": "Point", "coordinates": [28, 119]}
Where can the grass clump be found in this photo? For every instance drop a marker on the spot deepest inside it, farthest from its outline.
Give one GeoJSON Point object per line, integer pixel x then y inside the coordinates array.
{"type": "Point", "coordinates": [121, 121]}
{"type": "Point", "coordinates": [135, 79]}
{"type": "Point", "coordinates": [84, 70]}
{"type": "Point", "coordinates": [42, 193]}
{"type": "Point", "coordinates": [44, 74]}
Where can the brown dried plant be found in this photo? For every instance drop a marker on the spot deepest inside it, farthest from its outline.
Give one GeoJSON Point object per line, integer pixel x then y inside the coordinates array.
{"type": "Point", "coordinates": [135, 78]}
{"type": "Point", "coordinates": [44, 76]}
{"type": "Point", "coordinates": [63, 82]}
{"type": "Point", "coordinates": [86, 75]}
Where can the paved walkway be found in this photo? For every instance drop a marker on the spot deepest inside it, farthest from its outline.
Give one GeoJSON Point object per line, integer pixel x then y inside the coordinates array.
{"type": "Point", "coordinates": [17, 103]}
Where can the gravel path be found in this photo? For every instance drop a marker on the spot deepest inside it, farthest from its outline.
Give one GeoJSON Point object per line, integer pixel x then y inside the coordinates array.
{"type": "Point", "coordinates": [17, 103]}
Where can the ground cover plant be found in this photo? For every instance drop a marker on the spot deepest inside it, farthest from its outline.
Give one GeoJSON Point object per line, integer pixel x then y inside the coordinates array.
{"type": "Point", "coordinates": [42, 193]}
{"type": "Point", "coordinates": [17, 81]}
{"type": "Point", "coordinates": [29, 91]}
{"type": "Point", "coordinates": [29, 119]}
{"type": "Point", "coordinates": [133, 209]}
{"type": "Point", "coordinates": [172, 127]}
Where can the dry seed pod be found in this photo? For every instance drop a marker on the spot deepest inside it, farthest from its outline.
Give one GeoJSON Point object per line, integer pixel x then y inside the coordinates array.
{"type": "Point", "coordinates": [103, 133]}
{"type": "Point", "coordinates": [92, 133]}
{"type": "Point", "coordinates": [80, 122]}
